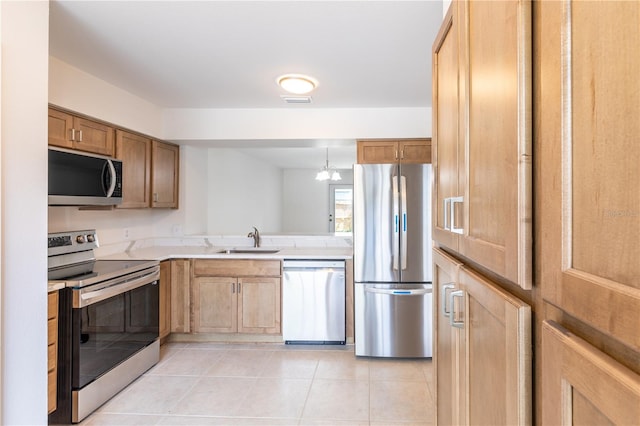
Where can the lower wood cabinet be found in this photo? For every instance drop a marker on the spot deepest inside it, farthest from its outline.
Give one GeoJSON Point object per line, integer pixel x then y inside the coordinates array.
{"type": "Point", "coordinates": [164, 324]}
{"type": "Point", "coordinates": [483, 349]}
{"type": "Point", "coordinates": [236, 296]}
{"type": "Point", "coordinates": [180, 300]}
{"type": "Point", "coordinates": [52, 351]}
{"type": "Point", "coordinates": [583, 385]}
{"type": "Point", "coordinates": [236, 305]}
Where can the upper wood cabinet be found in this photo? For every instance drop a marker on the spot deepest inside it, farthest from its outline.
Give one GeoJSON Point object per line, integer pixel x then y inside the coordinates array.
{"type": "Point", "coordinates": [70, 131]}
{"type": "Point", "coordinates": [384, 151]}
{"type": "Point", "coordinates": [150, 171]}
{"type": "Point", "coordinates": [482, 136]}
{"type": "Point", "coordinates": [483, 342]}
{"type": "Point", "coordinates": [135, 152]}
{"type": "Point", "coordinates": [165, 163]}
{"type": "Point", "coordinates": [587, 224]}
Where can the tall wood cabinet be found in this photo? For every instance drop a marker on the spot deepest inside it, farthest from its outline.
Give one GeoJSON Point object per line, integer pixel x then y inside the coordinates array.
{"type": "Point", "coordinates": [164, 325]}
{"type": "Point", "coordinates": [587, 104]}
{"type": "Point", "coordinates": [72, 131]}
{"type": "Point", "coordinates": [482, 209]}
{"type": "Point", "coordinates": [389, 151]}
{"type": "Point", "coordinates": [482, 136]}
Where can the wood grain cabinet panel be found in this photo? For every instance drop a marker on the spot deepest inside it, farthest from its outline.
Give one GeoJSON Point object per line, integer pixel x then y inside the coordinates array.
{"type": "Point", "coordinates": [135, 152]}
{"type": "Point", "coordinates": [52, 351]}
{"type": "Point", "coordinates": [164, 323]}
{"type": "Point", "coordinates": [259, 305]}
{"type": "Point", "coordinates": [482, 136]}
{"type": "Point", "coordinates": [180, 296]}
{"type": "Point", "coordinates": [384, 151]}
{"type": "Point", "coordinates": [583, 386]}
{"type": "Point", "coordinates": [71, 131]}
{"type": "Point", "coordinates": [165, 160]}
{"type": "Point", "coordinates": [215, 304]}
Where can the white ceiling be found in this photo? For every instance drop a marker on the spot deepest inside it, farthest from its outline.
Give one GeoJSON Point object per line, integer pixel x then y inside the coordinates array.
{"type": "Point", "coordinates": [227, 54]}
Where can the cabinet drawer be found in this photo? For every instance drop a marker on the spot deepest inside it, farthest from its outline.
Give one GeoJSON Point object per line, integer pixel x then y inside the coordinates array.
{"type": "Point", "coordinates": [237, 267]}
{"type": "Point", "coordinates": [52, 330]}
{"type": "Point", "coordinates": [52, 311]}
{"type": "Point", "coordinates": [51, 357]}
{"type": "Point", "coordinates": [52, 391]}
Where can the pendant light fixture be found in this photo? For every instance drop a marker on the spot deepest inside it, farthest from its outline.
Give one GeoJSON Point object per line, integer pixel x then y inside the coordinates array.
{"type": "Point", "coordinates": [327, 172]}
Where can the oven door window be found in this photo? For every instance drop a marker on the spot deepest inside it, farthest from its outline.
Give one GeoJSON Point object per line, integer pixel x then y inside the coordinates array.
{"type": "Point", "coordinates": [108, 332]}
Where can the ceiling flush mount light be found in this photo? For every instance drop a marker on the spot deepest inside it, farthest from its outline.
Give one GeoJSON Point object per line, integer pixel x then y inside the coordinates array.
{"type": "Point", "coordinates": [297, 83]}
{"type": "Point", "coordinates": [327, 172]}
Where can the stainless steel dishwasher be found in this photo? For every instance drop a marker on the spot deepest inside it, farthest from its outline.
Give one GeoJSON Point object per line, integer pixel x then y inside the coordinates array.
{"type": "Point", "coordinates": [313, 302]}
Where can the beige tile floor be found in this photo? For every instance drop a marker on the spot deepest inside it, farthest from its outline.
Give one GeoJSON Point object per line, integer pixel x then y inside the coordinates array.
{"type": "Point", "coordinates": [273, 384]}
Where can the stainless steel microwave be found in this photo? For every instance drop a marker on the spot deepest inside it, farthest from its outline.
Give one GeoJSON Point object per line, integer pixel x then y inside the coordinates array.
{"type": "Point", "coordinates": [82, 179]}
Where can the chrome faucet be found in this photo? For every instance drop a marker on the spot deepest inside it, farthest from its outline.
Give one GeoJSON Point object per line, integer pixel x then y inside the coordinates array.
{"type": "Point", "coordinates": [256, 237]}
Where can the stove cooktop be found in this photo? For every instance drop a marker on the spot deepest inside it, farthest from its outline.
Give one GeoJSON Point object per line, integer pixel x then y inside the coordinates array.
{"type": "Point", "coordinates": [88, 273]}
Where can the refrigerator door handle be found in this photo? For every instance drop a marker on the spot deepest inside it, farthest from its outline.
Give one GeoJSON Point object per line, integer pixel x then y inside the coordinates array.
{"type": "Point", "coordinates": [403, 195]}
{"type": "Point", "coordinates": [396, 215]}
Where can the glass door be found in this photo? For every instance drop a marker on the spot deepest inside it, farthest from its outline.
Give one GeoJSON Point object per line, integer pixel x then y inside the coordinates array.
{"type": "Point", "coordinates": [341, 209]}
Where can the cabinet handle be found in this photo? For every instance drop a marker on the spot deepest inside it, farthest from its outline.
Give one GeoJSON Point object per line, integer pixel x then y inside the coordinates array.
{"type": "Point", "coordinates": [396, 154]}
{"type": "Point", "coordinates": [73, 134]}
{"type": "Point", "coordinates": [446, 202]}
{"type": "Point", "coordinates": [402, 154]}
{"type": "Point", "coordinates": [155, 197]}
{"type": "Point", "coordinates": [452, 320]}
{"type": "Point", "coordinates": [452, 211]}
{"type": "Point", "coordinates": [79, 135]}
{"type": "Point", "coordinates": [239, 287]}
{"type": "Point", "coordinates": [233, 287]}
{"type": "Point", "coordinates": [443, 297]}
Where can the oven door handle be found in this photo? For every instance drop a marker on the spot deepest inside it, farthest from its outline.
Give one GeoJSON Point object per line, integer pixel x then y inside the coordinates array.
{"type": "Point", "coordinates": [80, 300]}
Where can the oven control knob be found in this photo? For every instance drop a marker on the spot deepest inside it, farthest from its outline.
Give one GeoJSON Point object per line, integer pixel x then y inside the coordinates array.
{"type": "Point", "coordinates": [90, 238]}
{"type": "Point", "coordinates": [80, 239]}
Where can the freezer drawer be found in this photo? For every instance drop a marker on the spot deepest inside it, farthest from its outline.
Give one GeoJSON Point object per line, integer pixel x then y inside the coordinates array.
{"type": "Point", "coordinates": [393, 320]}
{"type": "Point", "coordinates": [313, 302]}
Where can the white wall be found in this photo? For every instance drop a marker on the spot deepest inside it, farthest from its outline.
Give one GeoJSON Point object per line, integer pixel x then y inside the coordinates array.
{"type": "Point", "coordinates": [243, 192]}
{"type": "Point", "coordinates": [445, 7]}
{"type": "Point", "coordinates": [305, 201]}
{"type": "Point", "coordinates": [296, 123]}
{"type": "Point", "coordinates": [25, 44]}
{"type": "Point", "coordinates": [78, 91]}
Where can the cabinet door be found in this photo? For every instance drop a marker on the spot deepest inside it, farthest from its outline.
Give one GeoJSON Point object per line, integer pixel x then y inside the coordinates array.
{"type": "Point", "coordinates": [259, 305]}
{"type": "Point", "coordinates": [496, 54]}
{"type": "Point", "coordinates": [415, 151]}
{"type": "Point", "coordinates": [164, 175]}
{"type": "Point", "coordinates": [449, 366]}
{"type": "Point", "coordinates": [583, 386]}
{"type": "Point", "coordinates": [92, 136]}
{"type": "Point", "coordinates": [135, 153]}
{"type": "Point", "coordinates": [590, 217]}
{"type": "Point", "coordinates": [378, 152]}
{"type": "Point", "coordinates": [180, 296]}
{"type": "Point", "coordinates": [497, 352]}
{"type": "Point", "coordinates": [215, 304]}
{"type": "Point", "coordinates": [52, 352]}
{"type": "Point", "coordinates": [165, 299]}
{"type": "Point", "coordinates": [60, 125]}
{"type": "Point", "coordinates": [446, 129]}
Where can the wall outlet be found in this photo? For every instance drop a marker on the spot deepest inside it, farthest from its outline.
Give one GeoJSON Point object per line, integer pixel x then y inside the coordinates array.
{"type": "Point", "coordinates": [126, 234]}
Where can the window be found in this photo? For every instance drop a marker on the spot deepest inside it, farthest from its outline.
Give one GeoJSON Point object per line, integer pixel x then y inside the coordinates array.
{"type": "Point", "coordinates": [341, 209]}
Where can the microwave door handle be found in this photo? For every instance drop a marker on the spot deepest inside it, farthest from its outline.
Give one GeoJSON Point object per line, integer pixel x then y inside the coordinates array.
{"type": "Point", "coordinates": [112, 180]}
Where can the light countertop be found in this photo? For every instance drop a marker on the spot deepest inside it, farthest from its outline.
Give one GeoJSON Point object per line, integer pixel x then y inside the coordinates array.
{"type": "Point", "coordinates": [161, 253]}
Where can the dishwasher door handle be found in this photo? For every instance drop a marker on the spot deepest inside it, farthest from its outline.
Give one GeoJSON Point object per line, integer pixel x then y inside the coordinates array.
{"type": "Point", "coordinates": [399, 291]}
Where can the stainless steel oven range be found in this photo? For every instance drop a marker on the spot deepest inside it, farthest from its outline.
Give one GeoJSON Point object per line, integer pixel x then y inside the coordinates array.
{"type": "Point", "coordinates": [108, 323]}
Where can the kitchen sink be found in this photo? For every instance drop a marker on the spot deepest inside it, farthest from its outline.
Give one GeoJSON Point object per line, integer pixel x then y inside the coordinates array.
{"type": "Point", "coordinates": [250, 250]}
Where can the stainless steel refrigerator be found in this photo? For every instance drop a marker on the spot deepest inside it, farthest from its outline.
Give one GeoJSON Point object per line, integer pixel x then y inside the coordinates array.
{"type": "Point", "coordinates": [392, 260]}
